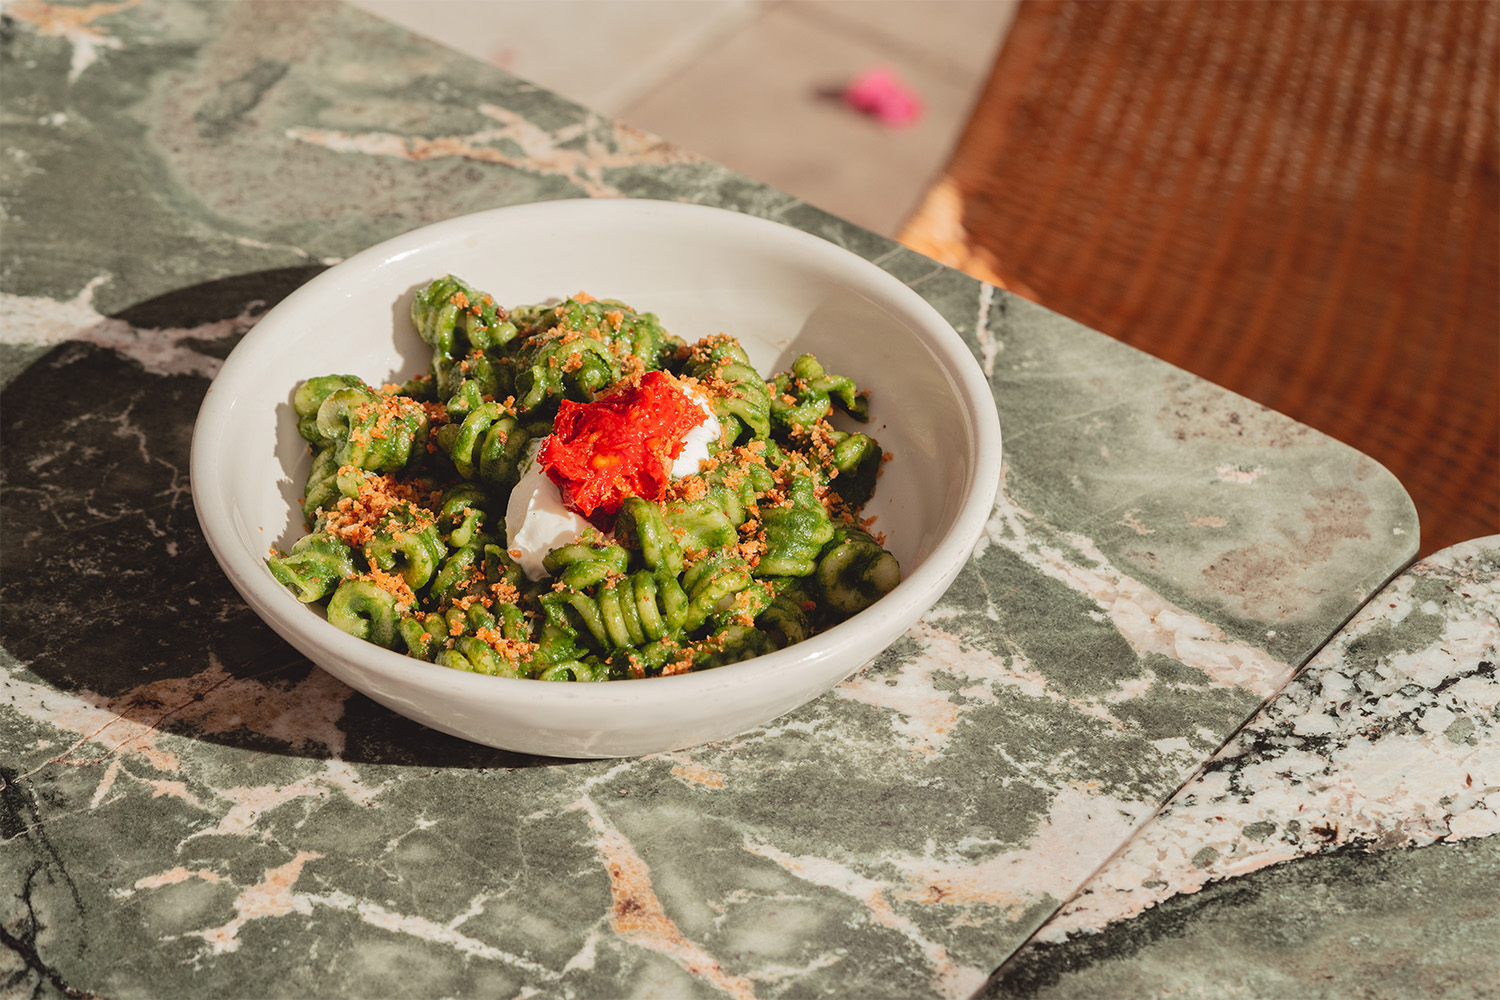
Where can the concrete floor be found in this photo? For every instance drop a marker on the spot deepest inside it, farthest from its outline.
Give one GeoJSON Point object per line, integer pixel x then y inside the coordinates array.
{"type": "Point", "coordinates": [751, 84]}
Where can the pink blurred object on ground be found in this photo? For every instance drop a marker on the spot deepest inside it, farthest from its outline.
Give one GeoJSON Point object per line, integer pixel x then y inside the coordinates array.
{"type": "Point", "coordinates": [881, 94]}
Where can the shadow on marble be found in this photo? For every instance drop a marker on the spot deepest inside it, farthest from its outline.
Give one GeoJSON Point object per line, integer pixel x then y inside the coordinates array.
{"type": "Point", "coordinates": [98, 500]}
{"type": "Point", "coordinates": [1417, 923]}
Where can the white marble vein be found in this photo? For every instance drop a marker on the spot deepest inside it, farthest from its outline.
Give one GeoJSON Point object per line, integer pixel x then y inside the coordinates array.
{"type": "Point", "coordinates": [43, 321]}
{"type": "Point", "coordinates": [1401, 752]}
{"type": "Point", "coordinates": [1149, 622]}
{"type": "Point", "coordinates": [575, 153]}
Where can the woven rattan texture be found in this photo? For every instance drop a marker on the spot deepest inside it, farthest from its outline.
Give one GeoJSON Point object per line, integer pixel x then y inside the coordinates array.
{"type": "Point", "coordinates": [1295, 200]}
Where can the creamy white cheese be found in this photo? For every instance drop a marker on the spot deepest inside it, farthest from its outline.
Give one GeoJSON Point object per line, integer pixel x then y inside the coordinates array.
{"type": "Point", "coordinates": [695, 443]}
{"type": "Point", "coordinates": [536, 522]}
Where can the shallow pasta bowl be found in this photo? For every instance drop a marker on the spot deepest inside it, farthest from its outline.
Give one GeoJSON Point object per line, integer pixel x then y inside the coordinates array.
{"type": "Point", "coordinates": [703, 271]}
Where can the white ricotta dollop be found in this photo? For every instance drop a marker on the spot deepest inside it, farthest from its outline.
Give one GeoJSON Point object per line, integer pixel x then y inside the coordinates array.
{"type": "Point", "coordinates": [695, 443]}
{"type": "Point", "coordinates": [536, 522]}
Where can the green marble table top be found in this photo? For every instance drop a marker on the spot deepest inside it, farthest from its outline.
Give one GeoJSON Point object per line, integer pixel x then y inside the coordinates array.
{"type": "Point", "coordinates": [190, 808]}
{"type": "Point", "coordinates": [1342, 844]}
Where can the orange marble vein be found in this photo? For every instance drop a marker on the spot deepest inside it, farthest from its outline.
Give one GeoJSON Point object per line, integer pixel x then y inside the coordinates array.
{"type": "Point", "coordinates": [637, 916]}
{"type": "Point", "coordinates": [173, 789]}
{"type": "Point", "coordinates": [175, 875]}
{"type": "Point", "coordinates": [270, 897]}
{"type": "Point", "coordinates": [693, 773]}
{"type": "Point", "coordinates": [105, 783]}
{"type": "Point", "coordinates": [950, 979]}
{"type": "Point", "coordinates": [64, 21]}
{"type": "Point", "coordinates": [76, 24]}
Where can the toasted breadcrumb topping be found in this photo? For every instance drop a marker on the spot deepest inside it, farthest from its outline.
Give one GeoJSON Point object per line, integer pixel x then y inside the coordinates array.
{"type": "Point", "coordinates": [355, 519]}
{"type": "Point", "coordinates": [392, 583]}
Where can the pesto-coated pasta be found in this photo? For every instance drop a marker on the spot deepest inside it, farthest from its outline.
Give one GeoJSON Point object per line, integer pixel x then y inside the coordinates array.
{"type": "Point", "coordinates": [795, 531]}
{"type": "Point", "coordinates": [854, 571]}
{"type": "Point", "coordinates": [744, 404]}
{"type": "Point", "coordinates": [366, 611]}
{"type": "Point", "coordinates": [462, 326]}
{"type": "Point", "coordinates": [408, 499]}
{"type": "Point", "coordinates": [581, 348]}
{"type": "Point", "coordinates": [317, 564]}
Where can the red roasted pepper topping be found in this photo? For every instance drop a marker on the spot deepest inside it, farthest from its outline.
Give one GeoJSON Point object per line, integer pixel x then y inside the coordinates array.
{"type": "Point", "coordinates": [620, 445]}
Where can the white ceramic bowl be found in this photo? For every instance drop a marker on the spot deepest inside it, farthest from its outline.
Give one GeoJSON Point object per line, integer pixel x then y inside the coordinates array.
{"type": "Point", "coordinates": [703, 271]}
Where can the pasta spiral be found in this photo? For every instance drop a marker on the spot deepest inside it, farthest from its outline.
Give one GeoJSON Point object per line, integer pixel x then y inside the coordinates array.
{"type": "Point", "coordinates": [743, 405]}
{"type": "Point", "coordinates": [462, 514]}
{"type": "Point", "coordinates": [643, 527]}
{"type": "Point", "coordinates": [407, 545]}
{"type": "Point", "coordinates": [362, 427]}
{"type": "Point", "coordinates": [806, 394]}
{"type": "Point", "coordinates": [489, 445]}
{"type": "Point", "coordinates": [794, 532]}
{"type": "Point", "coordinates": [786, 620]}
{"type": "Point", "coordinates": [457, 321]}
{"type": "Point", "coordinates": [622, 613]}
{"type": "Point", "coordinates": [314, 567]}
{"type": "Point", "coordinates": [365, 611]}
{"type": "Point", "coordinates": [712, 520]}
{"type": "Point", "coordinates": [855, 570]}
{"type": "Point", "coordinates": [731, 644]}
{"type": "Point", "coordinates": [856, 459]}
{"type": "Point", "coordinates": [579, 348]}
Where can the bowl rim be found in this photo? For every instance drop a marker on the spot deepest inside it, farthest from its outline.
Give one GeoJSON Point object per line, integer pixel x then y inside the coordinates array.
{"type": "Point", "coordinates": [921, 586]}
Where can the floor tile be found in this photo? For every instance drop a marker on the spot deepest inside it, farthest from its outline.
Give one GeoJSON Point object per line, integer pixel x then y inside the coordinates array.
{"type": "Point", "coordinates": [602, 53]}
{"type": "Point", "coordinates": [764, 102]}
{"type": "Point", "coordinates": [957, 38]}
